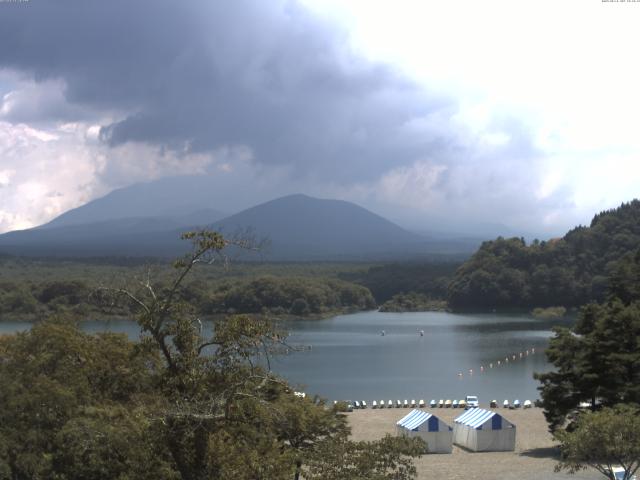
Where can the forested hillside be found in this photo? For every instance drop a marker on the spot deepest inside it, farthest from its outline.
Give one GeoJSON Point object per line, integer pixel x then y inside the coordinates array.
{"type": "Point", "coordinates": [293, 296]}
{"type": "Point", "coordinates": [288, 291]}
{"type": "Point", "coordinates": [568, 271]}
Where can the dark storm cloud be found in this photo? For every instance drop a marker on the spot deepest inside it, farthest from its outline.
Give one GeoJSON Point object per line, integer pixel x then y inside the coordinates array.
{"type": "Point", "coordinates": [197, 75]}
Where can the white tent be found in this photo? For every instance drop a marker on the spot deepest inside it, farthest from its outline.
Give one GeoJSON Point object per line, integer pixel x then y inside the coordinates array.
{"type": "Point", "coordinates": [484, 431]}
{"type": "Point", "coordinates": [431, 429]}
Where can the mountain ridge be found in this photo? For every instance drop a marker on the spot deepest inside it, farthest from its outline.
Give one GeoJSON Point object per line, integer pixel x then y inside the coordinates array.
{"type": "Point", "coordinates": [300, 228]}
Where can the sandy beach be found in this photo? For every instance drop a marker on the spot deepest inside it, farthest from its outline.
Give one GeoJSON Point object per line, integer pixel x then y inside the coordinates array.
{"type": "Point", "coordinates": [533, 459]}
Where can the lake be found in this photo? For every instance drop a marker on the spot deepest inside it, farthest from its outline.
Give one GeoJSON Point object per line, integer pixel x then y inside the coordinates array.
{"type": "Point", "coordinates": [348, 357]}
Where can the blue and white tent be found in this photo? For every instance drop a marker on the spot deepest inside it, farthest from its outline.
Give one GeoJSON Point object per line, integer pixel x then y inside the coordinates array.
{"type": "Point", "coordinates": [484, 431]}
{"type": "Point", "coordinates": [437, 434]}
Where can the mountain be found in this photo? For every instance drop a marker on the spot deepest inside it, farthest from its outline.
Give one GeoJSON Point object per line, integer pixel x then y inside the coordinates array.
{"type": "Point", "coordinates": [302, 227]}
{"type": "Point", "coordinates": [180, 200]}
{"type": "Point", "coordinates": [298, 228]}
{"type": "Point", "coordinates": [568, 271]}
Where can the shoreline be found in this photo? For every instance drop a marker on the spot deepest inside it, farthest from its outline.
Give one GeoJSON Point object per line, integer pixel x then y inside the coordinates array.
{"type": "Point", "coordinates": [534, 457]}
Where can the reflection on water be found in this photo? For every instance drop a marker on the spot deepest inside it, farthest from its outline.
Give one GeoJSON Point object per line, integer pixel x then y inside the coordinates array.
{"type": "Point", "coordinates": [349, 358]}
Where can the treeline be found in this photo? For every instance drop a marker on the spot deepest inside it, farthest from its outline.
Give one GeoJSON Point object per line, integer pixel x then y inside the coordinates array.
{"type": "Point", "coordinates": [413, 302]}
{"type": "Point", "coordinates": [299, 296]}
{"type": "Point", "coordinates": [28, 300]}
{"type": "Point", "coordinates": [385, 281]}
{"type": "Point", "coordinates": [568, 271]}
{"type": "Point", "coordinates": [290, 295]}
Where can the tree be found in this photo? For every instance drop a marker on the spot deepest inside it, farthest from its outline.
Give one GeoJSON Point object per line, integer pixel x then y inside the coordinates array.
{"type": "Point", "coordinates": [75, 405]}
{"type": "Point", "coordinates": [182, 403]}
{"type": "Point", "coordinates": [602, 440]}
{"type": "Point", "coordinates": [342, 460]}
{"type": "Point", "coordinates": [597, 362]}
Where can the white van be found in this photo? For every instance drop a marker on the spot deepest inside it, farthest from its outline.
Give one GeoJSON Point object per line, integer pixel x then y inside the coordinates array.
{"type": "Point", "coordinates": [472, 401]}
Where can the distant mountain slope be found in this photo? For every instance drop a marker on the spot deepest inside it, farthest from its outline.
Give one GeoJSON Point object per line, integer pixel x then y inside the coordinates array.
{"type": "Point", "coordinates": [302, 226]}
{"type": "Point", "coordinates": [146, 237]}
{"type": "Point", "coordinates": [298, 227]}
{"type": "Point", "coordinates": [569, 271]}
{"type": "Point", "coordinates": [173, 198]}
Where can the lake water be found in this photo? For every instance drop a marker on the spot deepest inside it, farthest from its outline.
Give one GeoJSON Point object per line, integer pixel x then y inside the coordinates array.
{"type": "Point", "coordinates": [350, 359]}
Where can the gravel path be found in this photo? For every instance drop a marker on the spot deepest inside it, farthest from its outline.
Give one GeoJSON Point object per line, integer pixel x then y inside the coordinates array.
{"type": "Point", "coordinates": [533, 459]}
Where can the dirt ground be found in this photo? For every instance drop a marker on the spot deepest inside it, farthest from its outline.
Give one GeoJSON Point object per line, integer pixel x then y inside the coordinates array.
{"type": "Point", "coordinates": [533, 459]}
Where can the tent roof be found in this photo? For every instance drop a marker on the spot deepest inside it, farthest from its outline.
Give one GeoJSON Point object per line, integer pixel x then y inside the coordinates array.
{"type": "Point", "coordinates": [414, 419]}
{"type": "Point", "coordinates": [476, 417]}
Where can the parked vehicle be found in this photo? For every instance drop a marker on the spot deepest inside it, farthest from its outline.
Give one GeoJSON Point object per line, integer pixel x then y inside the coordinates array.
{"type": "Point", "coordinates": [618, 473]}
{"type": "Point", "coordinates": [472, 401]}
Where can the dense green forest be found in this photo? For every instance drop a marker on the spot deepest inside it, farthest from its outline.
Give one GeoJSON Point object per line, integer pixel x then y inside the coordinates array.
{"type": "Point", "coordinates": [568, 271]}
{"type": "Point", "coordinates": [31, 288]}
{"type": "Point", "coordinates": [413, 302]}
{"type": "Point", "coordinates": [291, 295]}
{"type": "Point", "coordinates": [385, 281]}
{"type": "Point", "coordinates": [298, 296]}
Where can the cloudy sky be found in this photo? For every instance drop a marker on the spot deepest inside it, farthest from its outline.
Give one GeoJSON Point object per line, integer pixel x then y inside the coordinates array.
{"type": "Point", "coordinates": [434, 114]}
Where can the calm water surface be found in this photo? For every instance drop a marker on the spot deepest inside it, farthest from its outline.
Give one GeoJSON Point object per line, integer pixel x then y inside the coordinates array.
{"type": "Point", "coordinates": [350, 359]}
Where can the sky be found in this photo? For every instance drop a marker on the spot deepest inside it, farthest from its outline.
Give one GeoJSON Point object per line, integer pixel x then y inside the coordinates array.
{"type": "Point", "coordinates": [438, 115]}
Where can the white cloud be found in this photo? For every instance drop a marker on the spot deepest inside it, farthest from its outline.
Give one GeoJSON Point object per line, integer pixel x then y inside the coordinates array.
{"type": "Point", "coordinates": [45, 172]}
